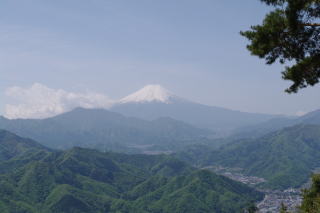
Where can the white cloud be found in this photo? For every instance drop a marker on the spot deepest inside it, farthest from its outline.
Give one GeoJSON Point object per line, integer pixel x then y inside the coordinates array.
{"type": "Point", "coordinates": [39, 101]}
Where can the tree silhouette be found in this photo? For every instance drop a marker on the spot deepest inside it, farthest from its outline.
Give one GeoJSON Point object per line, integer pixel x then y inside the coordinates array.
{"type": "Point", "coordinates": [290, 33]}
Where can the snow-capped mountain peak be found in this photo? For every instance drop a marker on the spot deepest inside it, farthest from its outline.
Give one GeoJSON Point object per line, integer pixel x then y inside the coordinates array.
{"type": "Point", "coordinates": [149, 93]}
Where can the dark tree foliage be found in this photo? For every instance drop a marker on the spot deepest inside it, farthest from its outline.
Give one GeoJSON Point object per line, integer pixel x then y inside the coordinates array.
{"type": "Point", "coordinates": [290, 33]}
{"type": "Point", "coordinates": [311, 197]}
{"type": "Point", "coordinates": [252, 208]}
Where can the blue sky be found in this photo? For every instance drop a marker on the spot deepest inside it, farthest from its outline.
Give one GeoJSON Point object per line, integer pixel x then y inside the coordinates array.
{"type": "Point", "coordinates": [115, 47]}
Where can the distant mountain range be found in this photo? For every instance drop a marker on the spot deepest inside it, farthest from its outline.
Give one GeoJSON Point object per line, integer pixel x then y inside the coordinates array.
{"type": "Point", "coordinates": [154, 101]}
{"type": "Point", "coordinates": [105, 130]}
{"type": "Point", "coordinates": [35, 179]}
{"type": "Point", "coordinates": [277, 124]}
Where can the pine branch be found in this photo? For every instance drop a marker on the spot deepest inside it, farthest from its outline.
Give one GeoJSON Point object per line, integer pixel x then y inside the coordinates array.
{"type": "Point", "coordinates": [311, 24]}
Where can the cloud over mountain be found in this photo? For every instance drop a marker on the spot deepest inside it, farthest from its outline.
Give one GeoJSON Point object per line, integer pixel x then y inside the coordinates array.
{"type": "Point", "coordinates": [40, 101]}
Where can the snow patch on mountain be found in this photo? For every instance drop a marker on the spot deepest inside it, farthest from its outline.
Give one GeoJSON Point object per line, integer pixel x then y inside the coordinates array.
{"type": "Point", "coordinates": [150, 93]}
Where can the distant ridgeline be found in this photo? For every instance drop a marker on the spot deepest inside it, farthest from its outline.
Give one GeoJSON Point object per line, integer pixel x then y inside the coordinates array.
{"type": "Point", "coordinates": [108, 131]}
{"type": "Point", "coordinates": [35, 179]}
{"type": "Point", "coordinates": [285, 158]}
{"type": "Point", "coordinates": [275, 124]}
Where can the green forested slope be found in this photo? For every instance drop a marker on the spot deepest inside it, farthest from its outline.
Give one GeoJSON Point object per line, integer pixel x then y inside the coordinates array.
{"type": "Point", "coordinates": [285, 158]}
{"type": "Point", "coordinates": [12, 145]}
{"type": "Point", "coordinates": [83, 180]}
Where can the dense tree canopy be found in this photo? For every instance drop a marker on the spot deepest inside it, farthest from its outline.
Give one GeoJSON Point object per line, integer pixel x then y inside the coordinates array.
{"type": "Point", "coordinates": [290, 33]}
{"type": "Point", "coordinates": [311, 197]}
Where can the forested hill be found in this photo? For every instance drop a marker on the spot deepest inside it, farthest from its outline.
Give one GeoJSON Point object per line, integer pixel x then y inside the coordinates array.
{"type": "Point", "coordinates": [35, 179]}
{"type": "Point", "coordinates": [285, 158]}
{"type": "Point", "coordinates": [12, 146]}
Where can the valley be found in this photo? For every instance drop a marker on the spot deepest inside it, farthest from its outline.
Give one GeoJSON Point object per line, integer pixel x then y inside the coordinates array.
{"type": "Point", "coordinates": [163, 164]}
{"type": "Point", "coordinates": [273, 199]}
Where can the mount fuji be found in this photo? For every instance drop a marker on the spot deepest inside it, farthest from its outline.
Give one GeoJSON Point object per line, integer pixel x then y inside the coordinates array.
{"type": "Point", "coordinates": [151, 93]}
{"type": "Point", "coordinates": [154, 101]}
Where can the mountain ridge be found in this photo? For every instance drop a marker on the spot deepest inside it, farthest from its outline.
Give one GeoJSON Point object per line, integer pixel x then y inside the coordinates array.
{"type": "Point", "coordinates": [88, 181]}
{"type": "Point", "coordinates": [275, 124]}
{"type": "Point", "coordinates": [154, 101]}
{"type": "Point", "coordinates": [100, 128]}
